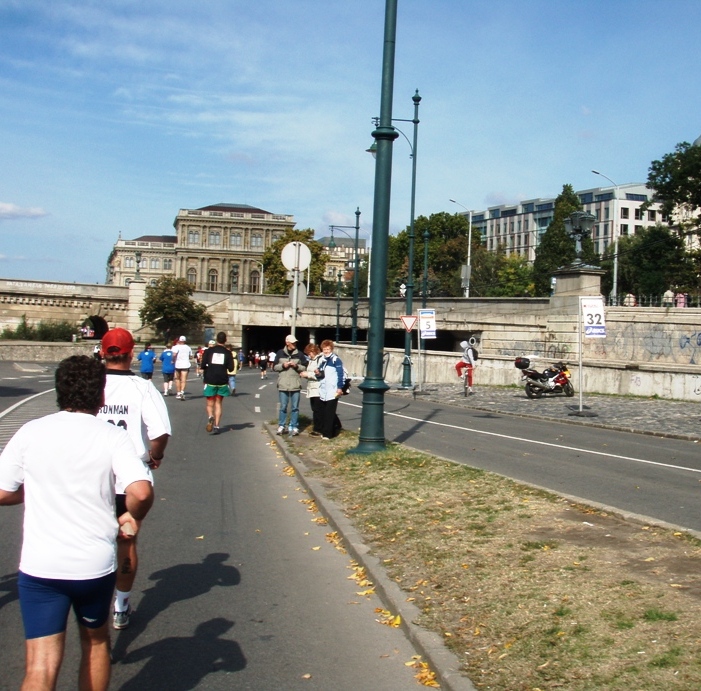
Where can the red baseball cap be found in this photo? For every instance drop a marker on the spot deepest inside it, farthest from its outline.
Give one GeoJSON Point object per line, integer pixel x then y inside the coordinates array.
{"type": "Point", "coordinates": [117, 342]}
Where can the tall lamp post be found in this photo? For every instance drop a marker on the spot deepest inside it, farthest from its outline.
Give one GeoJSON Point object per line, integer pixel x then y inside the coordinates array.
{"type": "Point", "coordinates": [371, 437]}
{"type": "Point", "coordinates": [338, 306]}
{"type": "Point", "coordinates": [406, 366]}
{"type": "Point", "coordinates": [469, 247]}
{"type": "Point", "coordinates": [354, 309]}
{"type": "Point", "coordinates": [614, 289]}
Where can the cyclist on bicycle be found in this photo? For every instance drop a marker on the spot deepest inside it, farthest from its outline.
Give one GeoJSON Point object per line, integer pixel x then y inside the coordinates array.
{"type": "Point", "coordinates": [467, 363]}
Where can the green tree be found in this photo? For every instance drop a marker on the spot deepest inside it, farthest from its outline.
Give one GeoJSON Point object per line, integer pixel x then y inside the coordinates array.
{"type": "Point", "coordinates": [447, 252]}
{"type": "Point", "coordinates": [653, 260]}
{"type": "Point", "coordinates": [557, 247]}
{"type": "Point", "coordinates": [514, 278]}
{"type": "Point", "coordinates": [170, 310]}
{"type": "Point", "coordinates": [276, 282]}
{"type": "Point", "coordinates": [676, 181]}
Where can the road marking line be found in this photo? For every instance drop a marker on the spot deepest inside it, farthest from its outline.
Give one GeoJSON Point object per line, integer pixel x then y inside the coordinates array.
{"type": "Point", "coordinates": [257, 395]}
{"type": "Point", "coordinates": [23, 401]}
{"type": "Point", "coordinates": [256, 409]}
{"type": "Point", "coordinates": [535, 441]}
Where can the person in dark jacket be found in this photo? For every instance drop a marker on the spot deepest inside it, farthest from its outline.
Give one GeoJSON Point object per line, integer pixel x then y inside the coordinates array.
{"type": "Point", "coordinates": [289, 364]}
{"type": "Point", "coordinates": [216, 363]}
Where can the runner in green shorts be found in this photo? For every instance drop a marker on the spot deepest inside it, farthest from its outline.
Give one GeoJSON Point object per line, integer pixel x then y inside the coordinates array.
{"type": "Point", "coordinates": [217, 360]}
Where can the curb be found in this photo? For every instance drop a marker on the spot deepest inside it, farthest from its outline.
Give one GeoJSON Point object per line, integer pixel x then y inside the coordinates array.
{"type": "Point", "coordinates": [429, 644]}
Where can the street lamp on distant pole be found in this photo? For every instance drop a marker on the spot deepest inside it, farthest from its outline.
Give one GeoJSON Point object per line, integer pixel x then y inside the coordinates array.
{"type": "Point", "coordinates": [338, 306]}
{"type": "Point", "coordinates": [354, 310]}
{"type": "Point", "coordinates": [614, 289]}
{"type": "Point", "coordinates": [469, 247]}
{"type": "Point", "coordinates": [406, 366]}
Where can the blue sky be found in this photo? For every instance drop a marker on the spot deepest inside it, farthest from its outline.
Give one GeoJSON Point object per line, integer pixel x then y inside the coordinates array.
{"type": "Point", "coordinates": [115, 114]}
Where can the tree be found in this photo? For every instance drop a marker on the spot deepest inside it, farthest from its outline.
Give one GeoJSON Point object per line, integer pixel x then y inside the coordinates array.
{"type": "Point", "coordinates": [557, 248]}
{"type": "Point", "coordinates": [514, 278]}
{"type": "Point", "coordinates": [653, 260]}
{"type": "Point", "coordinates": [276, 274]}
{"type": "Point", "coordinates": [447, 252]}
{"type": "Point", "coordinates": [170, 310]}
{"type": "Point", "coordinates": [676, 181]}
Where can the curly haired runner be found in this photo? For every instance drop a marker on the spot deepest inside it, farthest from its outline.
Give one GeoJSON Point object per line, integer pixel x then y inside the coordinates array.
{"type": "Point", "coordinates": [63, 468]}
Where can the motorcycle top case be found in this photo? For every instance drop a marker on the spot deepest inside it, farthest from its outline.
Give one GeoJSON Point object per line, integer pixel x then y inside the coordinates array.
{"type": "Point", "coordinates": [522, 362]}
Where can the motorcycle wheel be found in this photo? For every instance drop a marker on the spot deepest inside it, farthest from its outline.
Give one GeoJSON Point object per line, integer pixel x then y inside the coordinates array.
{"type": "Point", "coordinates": [568, 389]}
{"type": "Point", "coordinates": [533, 391]}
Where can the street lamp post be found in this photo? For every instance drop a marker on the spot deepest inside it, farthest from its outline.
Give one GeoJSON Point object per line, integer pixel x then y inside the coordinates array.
{"type": "Point", "coordinates": [469, 247]}
{"type": "Point", "coordinates": [338, 306]}
{"type": "Point", "coordinates": [409, 309]}
{"type": "Point", "coordinates": [614, 288]}
{"type": "Point", "coordinates": [137, 257]}
{"type": "Point", "coordinates": [579, 225]}
{"type": "Point", "coordinates": [354, 309]}
{"type": "Point", "coordinates": [371, 437]}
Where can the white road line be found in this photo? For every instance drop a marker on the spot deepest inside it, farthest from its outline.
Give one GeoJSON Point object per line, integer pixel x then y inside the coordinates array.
{"type": "Point", "coordinates": [257, 395]}
{"type": "Point", "coordinates": [256, 409]}
{"type": "Point", "coordinates": [22, 402]}
{"type": "Point", "coordinates": [535, 441]}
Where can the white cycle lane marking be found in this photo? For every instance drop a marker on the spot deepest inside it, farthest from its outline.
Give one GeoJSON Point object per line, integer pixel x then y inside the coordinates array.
{"type": "Point", "coordinates": [537, 442]}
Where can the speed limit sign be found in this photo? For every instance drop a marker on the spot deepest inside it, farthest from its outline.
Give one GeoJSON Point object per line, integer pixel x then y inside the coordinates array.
{"type": "Point", "coordinates": [593, 319]}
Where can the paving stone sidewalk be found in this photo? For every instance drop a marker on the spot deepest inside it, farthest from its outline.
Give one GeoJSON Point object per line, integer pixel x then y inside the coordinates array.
{"type": "Point", "coordinates": [664, 418]}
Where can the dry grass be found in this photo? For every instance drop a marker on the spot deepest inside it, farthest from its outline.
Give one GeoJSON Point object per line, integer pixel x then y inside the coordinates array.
{"type": "Point", "coordinates": [529, 590]}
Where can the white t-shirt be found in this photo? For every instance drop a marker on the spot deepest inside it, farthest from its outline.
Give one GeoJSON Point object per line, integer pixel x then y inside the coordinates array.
{"type": "Point", "coordinates": [68, 463]}
{"type": "Point", "coordinates": [182, 353]}
{"type": "Point", "coordinates": [135, 405]}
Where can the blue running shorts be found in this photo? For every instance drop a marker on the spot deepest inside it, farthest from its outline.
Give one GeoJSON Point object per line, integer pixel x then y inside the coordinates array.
{"type": "Point", "coordinates": [45, 603]}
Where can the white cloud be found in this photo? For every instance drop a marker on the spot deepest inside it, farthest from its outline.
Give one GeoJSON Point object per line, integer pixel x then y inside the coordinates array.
{"type": "Point", "coordinates": [11, 211]}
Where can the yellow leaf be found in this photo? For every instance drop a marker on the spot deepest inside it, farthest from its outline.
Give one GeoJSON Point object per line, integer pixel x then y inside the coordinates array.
{"type": "Point", "coordinates": [306, 676]}
{"type": "Point", "coordinates": [200, 537]}
{"type": "Point", "coordinates": [316, 549]}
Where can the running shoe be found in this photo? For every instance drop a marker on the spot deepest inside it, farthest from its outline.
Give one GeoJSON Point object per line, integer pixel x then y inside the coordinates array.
{"type": "Point", "coordinates": [280, 430]}
{"type": "Point", "coordinates": [210, 423]}
{"type": "Point", "coordinates": [215, 431]}
{"type": "Point", "coordinates": [120, 620]}
{"type": "Point", "coordinates": [294, 432]}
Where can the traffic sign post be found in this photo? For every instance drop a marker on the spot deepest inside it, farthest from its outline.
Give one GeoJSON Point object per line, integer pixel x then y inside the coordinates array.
{"type": "Point", "coordinates": [296, 257]}
{"type": "Point", "coordinates": [592, 324]}
{"type": "Point", "coordinates": [409, 321]}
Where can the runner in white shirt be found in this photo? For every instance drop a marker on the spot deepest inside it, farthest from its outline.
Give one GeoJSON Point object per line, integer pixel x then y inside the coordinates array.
{"type": "Point", "coordinates": [183, 354]}
{"type": "Point", "coordinates": [135, 405]}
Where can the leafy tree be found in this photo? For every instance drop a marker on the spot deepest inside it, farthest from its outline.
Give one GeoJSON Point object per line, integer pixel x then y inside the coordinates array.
{"type": "Point", "coordinates": [676, 181]}
{"type": "Point", "coordinates": [276, 274]}
{"type": "Point", "coordinates": [557, 247]}
{"type": "Point", "coordinates": [447, 252]}
{"type": "Point", "coordinates": [170, 310]}
{"type": "Point", "coordinates": [653, 260]}
{"type": "Point", "coordinates": [514, 277]}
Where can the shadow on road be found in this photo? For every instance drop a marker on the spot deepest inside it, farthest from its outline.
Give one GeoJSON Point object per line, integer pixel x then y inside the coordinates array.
{"type": "Point", "coordinates": [8, 586]}
{"type": "Point", "coordinates": [176, 583]}
{"type": "Point", "coordinates": [180, 663]}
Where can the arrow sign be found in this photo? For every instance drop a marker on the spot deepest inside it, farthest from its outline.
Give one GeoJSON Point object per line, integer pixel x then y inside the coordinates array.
{"type": "Point", "coordinates": [409, 322]}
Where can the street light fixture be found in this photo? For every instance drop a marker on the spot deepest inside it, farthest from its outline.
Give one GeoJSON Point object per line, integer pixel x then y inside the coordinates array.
{"type": "Point", "coordinates": [579, 225]}
{"type": "Point", "coordinates": [332, 244]}
{"type": "Point", "coordinates": [469, 247]}
{"type": "Point", "coordinates": [137, 257]}
{"type": "Point", "coordinates": [614, 288]}
{"type": "Point", "coordinates": [406, 365]}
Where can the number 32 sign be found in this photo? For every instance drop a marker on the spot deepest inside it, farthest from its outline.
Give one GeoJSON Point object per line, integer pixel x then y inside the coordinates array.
{"type": "Point", "coordinates": [593, 319]}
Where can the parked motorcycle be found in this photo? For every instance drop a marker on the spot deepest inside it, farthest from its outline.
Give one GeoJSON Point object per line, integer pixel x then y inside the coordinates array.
{"type": "Point", "coordinates": [555, 379]}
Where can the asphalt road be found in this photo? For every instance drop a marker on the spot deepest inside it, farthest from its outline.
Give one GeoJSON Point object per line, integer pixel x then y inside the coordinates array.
{"type": "Point", "coordinates": [229, 550]}
{"type": "Point", "coordinates": [238, 588]}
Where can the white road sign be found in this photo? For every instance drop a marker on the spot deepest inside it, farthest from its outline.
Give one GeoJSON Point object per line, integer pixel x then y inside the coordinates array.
{"type": "Point", "coordinates": [593, 318]}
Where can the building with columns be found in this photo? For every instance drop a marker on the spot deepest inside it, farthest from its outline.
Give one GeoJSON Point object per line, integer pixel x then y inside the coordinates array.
{"type": "Point", "coordinates": [216, 248]}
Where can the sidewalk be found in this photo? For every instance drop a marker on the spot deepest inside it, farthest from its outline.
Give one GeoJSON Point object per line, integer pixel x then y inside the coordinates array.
{"type": "Point", "coordinates": [658, 417]}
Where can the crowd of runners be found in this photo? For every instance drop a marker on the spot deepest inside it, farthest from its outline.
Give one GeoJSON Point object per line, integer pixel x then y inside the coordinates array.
{"type": "Point", "coordinates": [85, 475]}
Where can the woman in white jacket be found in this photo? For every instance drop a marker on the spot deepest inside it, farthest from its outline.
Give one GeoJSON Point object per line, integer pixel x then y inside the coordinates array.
{"type": "Point", "coordinates": [330, 388]}
{"type": "Point", "coordinates": [315, 357]}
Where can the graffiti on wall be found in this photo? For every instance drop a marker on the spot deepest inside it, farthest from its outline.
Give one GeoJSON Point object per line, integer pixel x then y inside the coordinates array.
{"type": "Point", "coordinates": [691, 343]}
